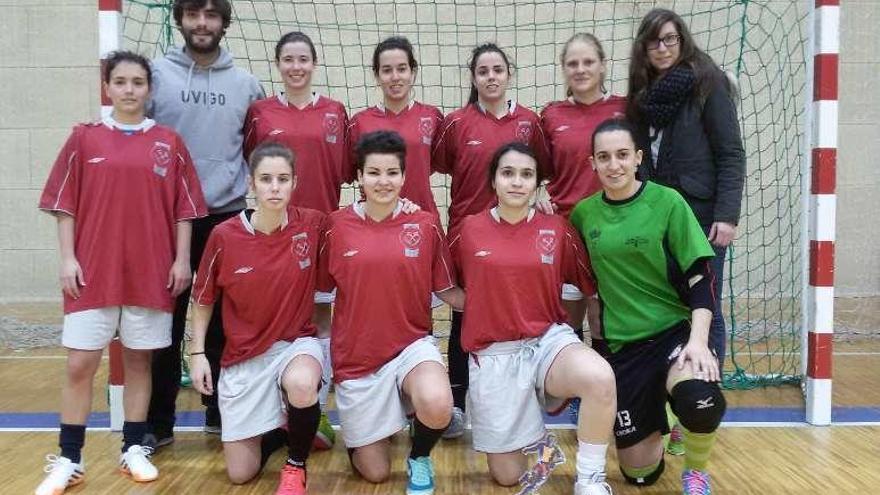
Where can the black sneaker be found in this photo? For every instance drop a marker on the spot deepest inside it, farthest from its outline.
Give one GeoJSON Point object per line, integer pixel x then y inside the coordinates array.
{"type": "Point", "coordinates": [213, 423]}
{"type": "Point", "coordinates": [157, 440]}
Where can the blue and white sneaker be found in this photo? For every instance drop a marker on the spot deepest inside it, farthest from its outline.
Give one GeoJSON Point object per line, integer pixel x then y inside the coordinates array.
{"type": "Point", "coordinates": [420, 472]}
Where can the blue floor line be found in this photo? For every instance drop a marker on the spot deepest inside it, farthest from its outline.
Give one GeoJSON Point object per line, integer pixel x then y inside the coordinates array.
{"type": "Point", "coordinates": [734, 414]}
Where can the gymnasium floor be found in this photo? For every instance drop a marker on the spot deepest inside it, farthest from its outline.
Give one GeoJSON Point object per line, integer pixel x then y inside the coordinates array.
{"type": "Point", "coordinates": [763, 448]}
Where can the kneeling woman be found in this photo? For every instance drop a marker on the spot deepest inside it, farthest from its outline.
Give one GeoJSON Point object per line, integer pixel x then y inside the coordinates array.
{"type": "Point", "coordinates": [651, 262]}
{"type": "Point", "coordinates": [513, 261]}
{"type": "Point", "coordinates": [261, 264]}
{"type": "Point", "coordinates": [384, 264]}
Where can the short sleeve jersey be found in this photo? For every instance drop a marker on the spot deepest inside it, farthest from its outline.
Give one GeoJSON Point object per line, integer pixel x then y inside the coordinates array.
{"type": "Point", "coordinates": [384, 273]}
{"type": "Point", "coordinates": [267, 281]}
{"type": "Point", "coordinates": [468, 138]}
{"type": "Point", "coordinates": [418, 124]}
{"type": "Point", "coordinates": [126, 187]}
{"type": "Point", "coordinates": [639, 250]}
{"type": "Point", "coordinates": [513, 274]}
{"type": "Point", "coordinates": [569, 128]}
{"type": "Point", "coordinates": [316, 134]}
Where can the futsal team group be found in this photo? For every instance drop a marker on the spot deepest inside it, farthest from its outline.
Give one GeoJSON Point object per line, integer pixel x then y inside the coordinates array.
{"type": "Point", "coordinates": [294, 294]}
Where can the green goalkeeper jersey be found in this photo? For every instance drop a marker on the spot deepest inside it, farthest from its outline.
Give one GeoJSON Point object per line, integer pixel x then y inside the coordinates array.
{"type": "Point", "coordinates": [639, 250]}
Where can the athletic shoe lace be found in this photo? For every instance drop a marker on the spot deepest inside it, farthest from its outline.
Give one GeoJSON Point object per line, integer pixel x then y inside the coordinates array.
{"type": "Point", "coordinates": [695, 482]}
{"type": "Point", "coordinates": [54, 462]}
{"type": "Point", "coordinates": [421, 471]}
{"type": "Point", "coordinates": [61, 471]}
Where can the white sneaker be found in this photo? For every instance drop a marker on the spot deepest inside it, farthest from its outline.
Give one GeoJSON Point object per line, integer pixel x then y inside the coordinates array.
{"type": "Point", "coordinates": [456, 426]}
{"type": "Point", "coordinates": [62, 473]}
{"type": "Point", "coordinates": [591, 487]}
{"type": "Point", "coordinates": [135, 462]}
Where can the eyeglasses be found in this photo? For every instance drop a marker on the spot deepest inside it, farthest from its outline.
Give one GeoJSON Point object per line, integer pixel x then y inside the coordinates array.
{"type": "Point", "coordinates": [668, 40]}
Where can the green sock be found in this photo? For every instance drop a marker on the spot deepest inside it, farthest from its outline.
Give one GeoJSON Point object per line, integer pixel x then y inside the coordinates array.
{"type": "Point", "coordinates": [671, 420]}
{"type": "Point", "coordinates": [640, 473]}
{"type": "Point", "coordinates": [697, 447]}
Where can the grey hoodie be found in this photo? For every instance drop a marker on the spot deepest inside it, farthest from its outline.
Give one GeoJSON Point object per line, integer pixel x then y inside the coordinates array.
{"type": "Point", "coordinates": [207, 107]}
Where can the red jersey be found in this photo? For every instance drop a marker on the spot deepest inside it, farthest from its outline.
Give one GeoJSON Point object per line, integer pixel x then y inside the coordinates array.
{"type": "Point", "coordinates": [418, 124]}
{"type": "Point", "coordinates": [468, 138]}
{"type": "Point", "coordinates": [267, 281]}
{"type": "Point", "coordinates": [126, 187]}
{"type": "Point", "coordinates": [384, 273]}
{"type": "Point", "coordinates": [513, 275]}
{"type": "Point", "coordinates": [316, 134]}
{"type": "Point", "coordinates": [569, 129]}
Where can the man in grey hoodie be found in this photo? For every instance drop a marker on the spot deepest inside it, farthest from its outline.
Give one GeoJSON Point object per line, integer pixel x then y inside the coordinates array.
{"type": "Point", "coordinates": [198, 91]}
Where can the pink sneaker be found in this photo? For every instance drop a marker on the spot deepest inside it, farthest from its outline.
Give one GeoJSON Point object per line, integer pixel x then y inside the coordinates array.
{"type": "Point", "coordinates": [293, 481]}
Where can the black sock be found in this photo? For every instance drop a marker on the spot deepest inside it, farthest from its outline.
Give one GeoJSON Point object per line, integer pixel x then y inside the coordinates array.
{"type": "Point", "coordinates": [458, 363]}
{"type": "Point", "coordinates": [133, 433]}
{"type": "Point", "coordinates": [269, 443]}
{"type": "Point", "coordinates": [579, 331]}
{"type": "Point", "coordinates": [302, 424]}
{"type": "Point", "coordinates": [424, 439]}
{"type": "Point", "coordinates": [71, 441]}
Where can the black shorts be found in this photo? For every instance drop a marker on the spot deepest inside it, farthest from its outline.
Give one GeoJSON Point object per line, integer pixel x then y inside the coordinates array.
{"type": "Point", "coordinates": [640, 370]}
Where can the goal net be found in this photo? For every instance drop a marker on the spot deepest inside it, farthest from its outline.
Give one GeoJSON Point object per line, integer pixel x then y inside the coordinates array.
{"type": "Point", "coordinates": [763, 43]}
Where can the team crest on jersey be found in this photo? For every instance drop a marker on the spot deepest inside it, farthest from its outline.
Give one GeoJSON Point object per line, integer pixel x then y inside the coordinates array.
{"type": "Point", "coordinates": [331, 127]}
{"type": "Point", "coordinates": [426, 127]}
{"type": "Point", "coordinates": [161, 154]}
{"type": "Point", "coordinates": [301, 248]}
{"type": "Point", "coordinates": [524, 131]}
{"type": "Point", "coordinates": [546, 245]}
{"type": "Point", "coordinates": [411, 237]}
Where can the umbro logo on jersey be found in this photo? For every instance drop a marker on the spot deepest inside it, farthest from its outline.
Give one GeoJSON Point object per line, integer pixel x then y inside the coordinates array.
{"type": "Point", "coordinates": [97, 159]}
{"type": "Point", "coordinates": [474, 142]}
{"type": "Point", "coordinates": [275, 132]}
{"type": "Point", "coordinates": [349, 254]}
{"type": "Point", "coordinates": [562, 128]}
{"type": "Point", "coordinates": [482, 254]}
{"type": "Point", "coordinates": [245, 269]}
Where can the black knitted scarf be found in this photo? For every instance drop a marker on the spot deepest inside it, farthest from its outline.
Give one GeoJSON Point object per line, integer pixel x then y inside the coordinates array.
{"type": "Point", "coordinates": [666, 96]}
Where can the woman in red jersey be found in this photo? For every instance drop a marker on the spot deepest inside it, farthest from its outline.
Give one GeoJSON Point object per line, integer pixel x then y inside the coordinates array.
{"type": "Point", "coordinates": [395, 69]}
{"type": "Point", "coordinates": [261, 265]}
{"type": "Point", "coordinates": [524, 358]}
{"type": "Point", "coordinates": [568, 125]}
{"type": "Point", "coordinates": [130, 181]}
{"type": "Point", "coordinates": [385, 263]}
{"type": "Point", "coordinates": [468, 138]}
{"type": "Point", "coordinates": [313, 126]}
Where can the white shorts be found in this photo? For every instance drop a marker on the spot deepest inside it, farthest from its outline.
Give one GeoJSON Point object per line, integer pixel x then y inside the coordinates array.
{"type": "Point", "coordinates": [325, 297]}
{"type": "Point", "coordinates": [571, 293]}
{"type": "Point", "coordinates": [139, 328]}
{"type": "Point", "coordinates": [249, 393]}
{"type": "Point", "coordinates": [506, 398]}
{"type": "Point", "coordinates": [373, 407]}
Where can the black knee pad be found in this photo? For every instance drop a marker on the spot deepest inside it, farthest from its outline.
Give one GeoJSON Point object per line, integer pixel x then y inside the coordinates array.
{"type": "Point", "coordinates": [699, 405]}
{"type": "Point", "coordinates": [645, 480]}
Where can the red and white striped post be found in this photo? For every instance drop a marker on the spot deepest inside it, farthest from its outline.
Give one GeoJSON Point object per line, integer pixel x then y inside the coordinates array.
{"type": "Point", "coordinates": [822, 206]}
{"type": "Point", "coordinates": [110, 39]}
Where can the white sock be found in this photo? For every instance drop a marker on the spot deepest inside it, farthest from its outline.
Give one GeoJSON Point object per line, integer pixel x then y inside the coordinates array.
{"type": "Point", "coordinates": [591, 461]}
{"type": "Point", "coordinates": [327, 372]}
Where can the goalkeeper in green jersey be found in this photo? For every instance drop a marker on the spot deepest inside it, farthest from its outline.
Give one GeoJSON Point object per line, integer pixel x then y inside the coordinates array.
{"type": "Point", "coordinates": [651, 262]}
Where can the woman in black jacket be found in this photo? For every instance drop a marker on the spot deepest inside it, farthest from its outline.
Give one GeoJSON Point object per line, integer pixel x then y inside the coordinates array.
{"type": "Point", "coordinates": [683, 106]}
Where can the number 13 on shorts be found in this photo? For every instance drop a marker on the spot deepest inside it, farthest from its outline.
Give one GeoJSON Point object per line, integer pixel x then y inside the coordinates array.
{"type": "Point", "coordinates": [623, 418]}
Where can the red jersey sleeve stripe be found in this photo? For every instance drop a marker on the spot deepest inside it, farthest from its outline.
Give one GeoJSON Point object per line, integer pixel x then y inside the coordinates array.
{"type": "Point", "coordinates": [580, 260]}
{"type": "Point", "coordinates": [60, 194]}
{"type": "Point", "coordinates": [192, 204]}
{"type": "Point", "coordinates": [209, 274]}
{"type": "Point", "coordinates": [449, 278]}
